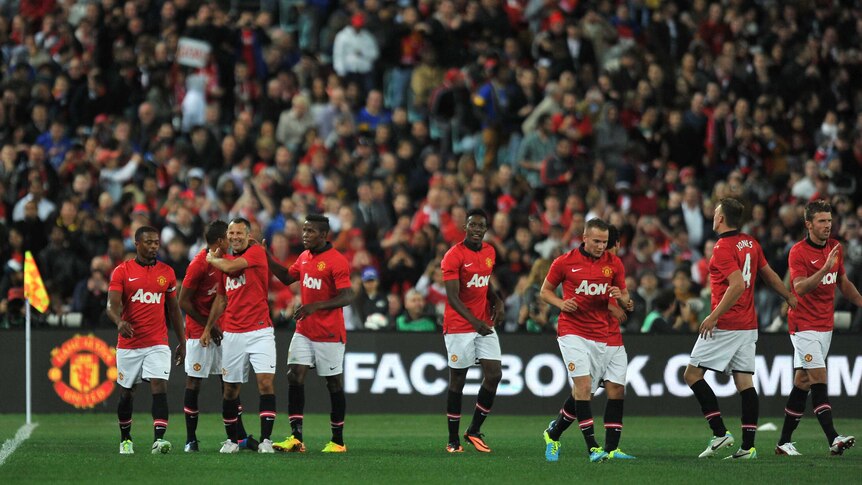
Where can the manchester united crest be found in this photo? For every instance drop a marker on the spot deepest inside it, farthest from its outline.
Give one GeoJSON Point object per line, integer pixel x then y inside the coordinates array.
{"type": "Point", "coordinates": [162, 281]}
{"type": "Point", "coordinates": [83, 370]}
{"type": "Point", "coordinates": [607, 271]}
{"type": "Point", "coordinates": [808, 358]}
{"type": "Point", "coordinates": [571, 366]}
{"type": "Point", "coordinates": [196, 367]}
{"type": "Point", "coordinates": [488, 262]}
{"type": "Point", "coordinates": [321, 266]}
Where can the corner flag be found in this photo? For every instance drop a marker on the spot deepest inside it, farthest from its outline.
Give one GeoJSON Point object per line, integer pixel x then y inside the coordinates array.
{"type": "Point", "coordinates": [34, 288]}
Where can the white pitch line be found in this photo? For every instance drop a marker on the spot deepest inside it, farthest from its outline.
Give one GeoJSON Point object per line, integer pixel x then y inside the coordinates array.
{"type": "Point", "coordinates": [10, 445]}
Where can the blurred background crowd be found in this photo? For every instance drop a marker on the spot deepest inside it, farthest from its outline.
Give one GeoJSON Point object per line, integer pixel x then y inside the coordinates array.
{"type": "Point", "coordinates": [394, 118]}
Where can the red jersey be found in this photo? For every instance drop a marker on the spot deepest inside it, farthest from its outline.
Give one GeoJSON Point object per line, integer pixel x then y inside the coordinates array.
{"type": "Point", "coordinates": [473, 271]}
{"type": "Point", "coordinates": [736, 251]}
{"type": "Point", "coordinates": [247, 293]}
{"type": "Point", "coordinates": [144, 291]}
{"type": "Point", "coordinates": [205, 279]}
{"type": "Point", "coordinates": [816, 310]}
{"type": "Point", "coordinates": [615, 336]}
{"type": "Point", "coordinates": [587, 280]}
{"type": "Point", "coordinates": [321, 276]}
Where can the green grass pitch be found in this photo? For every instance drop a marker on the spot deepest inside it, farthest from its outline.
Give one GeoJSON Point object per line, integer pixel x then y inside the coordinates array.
{"type": "Point", "coordinates": [83, 448]}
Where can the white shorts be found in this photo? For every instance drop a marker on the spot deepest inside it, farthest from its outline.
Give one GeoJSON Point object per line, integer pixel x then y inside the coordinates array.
{"type": "Point", "coordinates": [583, 357]}
{"type": "Point", "coordinates": [467, 349]}
{"type": "Point", "coordinates": [202, 361]}
{"type": "Point", "coordinates": [614, 365]}
{"type": "Point", "coordinates": [240, 349]}
{"type": "Point", "coordinates": [326, 357]}
{"type": "Point", "coordinates": [136, 365]}
{"type": "Point", "coordinates": [810, 349]}
{"type": "Point", "coordinates": [726, 352]}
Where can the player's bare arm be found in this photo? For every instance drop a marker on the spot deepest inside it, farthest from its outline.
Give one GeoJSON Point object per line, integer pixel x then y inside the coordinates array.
{"type": "Point", "coordinates": [803, 286]}
{"type": "Point", "coordinates": [277, 269]}
{"type": "Point", "coordinates": [453, 293]}
{"type": "Point", "coordinates": [176, 320]}
{"type": "Point", "coordinates": [622, 297]}
{"type": "Point", "coordinates": [216, 258]}
{"type": "Point", "coordinates": [218, 306]}
{"type": "Point", "coordinates": [498, 306]}
{"type": "Point", "coordinates": [185, 302]}
{"type": "Point", "coordinates": [115, 311]}
{"type": "Point", "coordinates": [342, 299]}
{"type": "Point", "coordinates": [549, 296]}
{"type": "Point", "coordinates": [735, 287]}
{"type": "Point", "coordinates": [776, 283]}
{"type": "Point", "coordinates": [618, 313]}
{"type": "Point", "coordinates": [849, 290]}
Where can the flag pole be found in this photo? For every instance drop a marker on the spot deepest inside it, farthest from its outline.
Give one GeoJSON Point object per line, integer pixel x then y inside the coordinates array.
{"type": "Point", "coordinates": [29, 391]}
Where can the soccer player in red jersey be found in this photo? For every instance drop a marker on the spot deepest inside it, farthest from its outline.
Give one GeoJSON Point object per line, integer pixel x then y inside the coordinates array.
{"type": "Point", "coordinates": [729, 333]}
{"type": "Point", "coordinates": [590, 276]}
{"type": "Point", "coordinates": [241, 303]}
{"type": "Point", "coordinates": [320, 336]}
{"type": "Point", "coordinates": [612, 375]}
{"type": "Point", "coordinates": [468, 327]}
{"type": "Point", "coordinates": [816, 268]}
{"type": "Point", "coordinates": [197, 294]}
{"type": "Point", "coordinates": [142, 291]}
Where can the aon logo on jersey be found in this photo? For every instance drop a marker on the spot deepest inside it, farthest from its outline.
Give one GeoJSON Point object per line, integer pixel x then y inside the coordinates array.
{"type": "Point", "coordinates": [312, 283]}
{"type": "Point", "coordinates": [829, 278]}
{"type": "Point", "coordinates": [591, 289]}
{"type": "Point", "coordinates": [234, 283]}
{"type": "Point", "coordinates": [478, 281]}
{"type": "Point", "coordinates": [142, 296]}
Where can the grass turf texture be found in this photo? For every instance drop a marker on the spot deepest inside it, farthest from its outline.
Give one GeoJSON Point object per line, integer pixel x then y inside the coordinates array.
{"type": "Point", "coordinates": [402, 448]}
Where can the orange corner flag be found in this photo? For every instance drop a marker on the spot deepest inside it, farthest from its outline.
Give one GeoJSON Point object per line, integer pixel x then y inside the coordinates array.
{"type": "Point", "coordinates": [34, 288]}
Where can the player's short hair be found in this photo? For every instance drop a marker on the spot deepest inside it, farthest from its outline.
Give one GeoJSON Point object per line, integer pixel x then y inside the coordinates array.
{"type": "Point", "coordinates": [242, 220]}
{"type": "Point", "coordinates": [816, 206]}
{"type": "Point", "coordinates": [596, 223]}
{"type": "Point", "coordinates": [477, 212]}
{"type": "Point", "coordinates": [732, 209]}
{"type": "Point", "coordinates": [144, 230]}
{"type": "Point", "coordinates": [216, 230]}
{"type": "Point", "coordinates": [613, 236]}
{"type": "Point", "coordinates": [321, 220]}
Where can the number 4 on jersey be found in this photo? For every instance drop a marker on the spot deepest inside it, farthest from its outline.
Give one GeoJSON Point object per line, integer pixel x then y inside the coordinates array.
{"type": "Point", "coordinates": [746, 270]}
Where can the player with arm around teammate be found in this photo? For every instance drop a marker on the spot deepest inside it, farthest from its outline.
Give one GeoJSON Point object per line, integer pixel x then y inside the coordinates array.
{"type": "Point", "coordinates": [248, 338]}
{"type": "Point", "coordinates": [199, 289]}
{"type": "Point", "coordinates": [141, 293]}
{"type": "Point", "coordinates": [816, 268]}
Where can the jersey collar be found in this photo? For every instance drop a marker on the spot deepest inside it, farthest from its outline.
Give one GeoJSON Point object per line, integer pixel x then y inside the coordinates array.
{"type": "Point", "coordinates": [814, 244]}
{"type": "Point", "coordinates": [326, 247]}
{"type": "Point", "coordinates": [729, 233]}
{"type": "Point", "coordinates": [586, 254]}
{"type": "Point", "coordinates": [144, 265]}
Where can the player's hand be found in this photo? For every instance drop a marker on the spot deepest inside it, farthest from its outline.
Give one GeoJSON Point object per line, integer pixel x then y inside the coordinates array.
{"type": "Point", "coordinates": [180, 353]}
{"type": "Point", "coordinates": [205, 339]}
{"type": "Point", "coordinates": [629, 305]}
{"type": "Point", "coordinates": [569, 306]}
{"type": "Point", "coordinates": [792, 302]}
{"type": "Point", "coordinates": [303, 311]}
{"type": "Point", "coordinates": [618, 313]}
{"type": "Point", "coordinates": [833, 257]}
{"type": "Point", "coordinates": [483, 329]}
{"type": "Point", "coordinates": [125, 329]}
{"type": "Point", "coordinates": [211, 255]}
{"type": "Point", "coordinates": [499, 314]}
{"type": "Point", "coordinates": [614, 292]}
{"type": "Point", "coordinates": [216, 335]}
{"type": "Point", "coordinates": [707, 326]}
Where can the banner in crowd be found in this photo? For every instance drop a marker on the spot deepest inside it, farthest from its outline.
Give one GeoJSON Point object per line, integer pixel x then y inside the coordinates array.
{"type": "Point", "coordinates": [390, 372]}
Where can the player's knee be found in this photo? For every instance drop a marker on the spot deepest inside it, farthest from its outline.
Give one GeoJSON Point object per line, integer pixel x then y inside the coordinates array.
{"type": "Point", "coordinates": [159, 386]}
{"type": "Point", "coordinates": [231, 391]}
{"type": "Point", "coordinates": [493, 377]}
{"type": "Point", "coordinates": [615, 391]}
{"type": "Point", "coordinates": [295, 378]}
{"type": "Point", "coordinates": [193, 384]}
{"type": "Point", "coordinates": [334, 386]}
{"type": "Point", "coordinates": [692, 375]}
{"type": "Point", "coordinates": [457, 378]}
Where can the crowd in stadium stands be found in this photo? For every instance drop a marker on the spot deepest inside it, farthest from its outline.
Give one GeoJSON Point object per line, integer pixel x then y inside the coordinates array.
{"type": "Point", "coordinates": [394, 118]}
